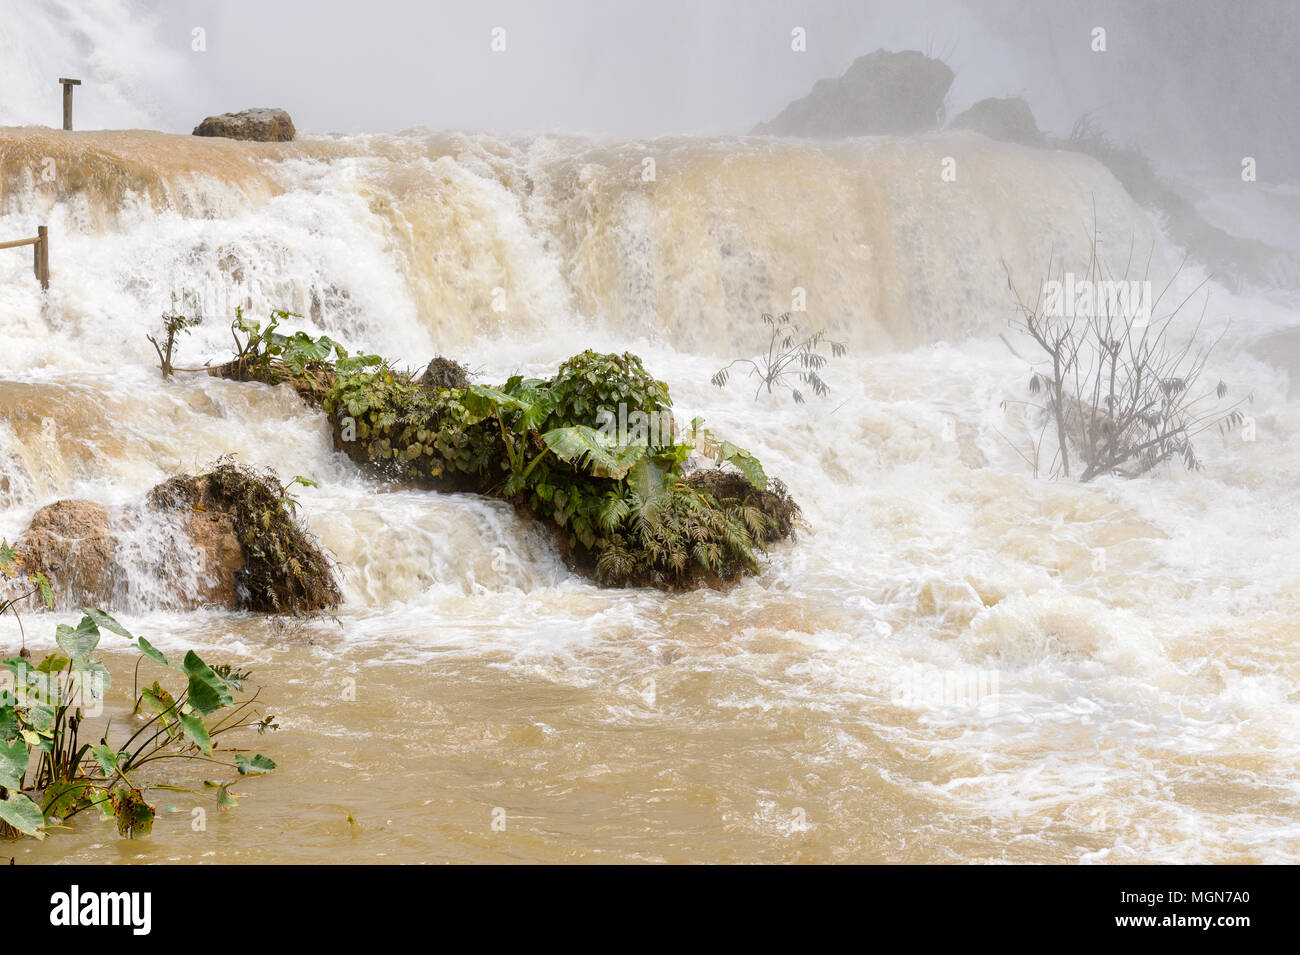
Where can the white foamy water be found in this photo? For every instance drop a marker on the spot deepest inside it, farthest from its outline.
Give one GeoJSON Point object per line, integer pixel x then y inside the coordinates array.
{"type": "Point", "coordinates": [956, 661]}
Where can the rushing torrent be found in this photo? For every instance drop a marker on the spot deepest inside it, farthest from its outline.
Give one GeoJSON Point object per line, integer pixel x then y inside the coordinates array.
{"type": "Point", "coordinates": [956, 662]}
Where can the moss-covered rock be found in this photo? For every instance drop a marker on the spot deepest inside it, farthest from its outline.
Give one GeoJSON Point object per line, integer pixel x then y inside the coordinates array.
{"type": "Point", "coordinates": [592, 452]}
{"type": "Point", "coordinates": [283, 569]}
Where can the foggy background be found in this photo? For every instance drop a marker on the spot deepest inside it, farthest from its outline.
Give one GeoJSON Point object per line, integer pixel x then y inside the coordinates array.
{"type": "Point", "coordinates": [1198, 83]}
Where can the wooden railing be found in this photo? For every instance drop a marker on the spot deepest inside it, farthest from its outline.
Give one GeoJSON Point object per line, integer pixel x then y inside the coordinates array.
{"type": "Point", "coordinates": [40, 254]}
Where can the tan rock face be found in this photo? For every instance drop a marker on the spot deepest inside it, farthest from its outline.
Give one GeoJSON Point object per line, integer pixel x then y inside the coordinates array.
{"type": "Point", "coordinates": [71, 544]}
{"type": "Point", "coordinates": [260, 125]}
{"type": "Point", "coordinates": [212, 535]}
{"type": "Point", "coordinates": [223, 539]}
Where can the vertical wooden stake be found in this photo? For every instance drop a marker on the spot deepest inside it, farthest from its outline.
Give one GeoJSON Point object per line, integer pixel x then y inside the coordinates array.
{"type": "Point", "coordinates": [42, 253]}
{"type": "Point", "coordinates": [67, 100]}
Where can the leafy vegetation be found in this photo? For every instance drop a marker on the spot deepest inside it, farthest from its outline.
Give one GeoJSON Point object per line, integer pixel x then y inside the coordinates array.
{"type": "Point", "coordinates": [174, 323]}
{"type": "Point", "coordinates": [620, 500]}
{"type": "Point", "coordinates": [52, 768]}
{"type": "Point", "coordinates": [790, 354]}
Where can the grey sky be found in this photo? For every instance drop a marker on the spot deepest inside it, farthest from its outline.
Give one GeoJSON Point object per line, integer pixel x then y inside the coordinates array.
{"type": "Point", "coordinates": [1201, 80]}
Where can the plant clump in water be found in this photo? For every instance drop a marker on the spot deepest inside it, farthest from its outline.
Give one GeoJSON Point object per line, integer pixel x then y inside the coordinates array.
{"type": "Point", "coordinates": [591, 452]}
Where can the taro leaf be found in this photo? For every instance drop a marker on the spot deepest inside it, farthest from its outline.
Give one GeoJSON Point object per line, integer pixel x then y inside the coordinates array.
{"type": "Point", "coordinates": [207, 691]}
{"type": "Point", "coordinates": [101, 800]}
{"type": "Point", "coordinates": [105, 621]}
{"type": "Point", "coordinates": [53, 663]}
{"type": "Point", "coordinates": [162, 703]}
{"type": "Point", "coordinates": [746, 462]}
{"type": "Point", "coordinates": [134, 815]}
{"type": "Point", "coordinates": [147, 648]}
{"type": "Point", "coordinates": [252, 767]}
{"type": "Point", "coordinates": [13, 763]}
{"type": "Point", "coordinates": [194, 729]}
{"type": "Point", "coordinates": [23, 814]}
{"type": "Point", "coordinates": [78, 643]}
{"type": "Point", "coordinates": [106, 758]}
{"type": "Point", "coordinates": [40, 718]}
{"type": "Point", "coordinates": [47, 595]}
{"type": "Point", "coordinates": [63, 798]}
{"type": "Point", "coordinates": [9, 725]}
{"type": "Point", "coordinates": [92, 678]}
{"type": "Point", "coordinates": [224, 799]}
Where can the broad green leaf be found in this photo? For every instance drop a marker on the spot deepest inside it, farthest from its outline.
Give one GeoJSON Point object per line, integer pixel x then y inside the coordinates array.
{"type": "Point", "coordinates": [194, 729]}
{"type": "Point", "coordinates": [599, 452]}
{"type": "Point", "coordinates": [62, 798]}
{"type": "Point", "coordinates": [78, 643]}
{"type": "Point", "coordinates": [134, 815]}
{"type": "Point", "coordinates": [105, 621]}
{"type": "Point", "coordinates": [106, 758]}
{"type": "Point", "coordinates": [147, 648]}
{"type": "Point", "coordinates": [252, 767]}
{"type": "Point", "coordinates": [9, 723]}
{"type": "Point", "coordinates": [13, 763]}
{"type": "Point", "coordinates": [208, 693]}
{"type": "Point", "coordinates": [481, 401]}
{"type": "Point", "coordinates": [162, 703]}
{"type": "Point", "coordinates": [647, 479]}
{"type": "Point", "coordinates": [53, 663]}
{"type": "Point", "coordinates": [40, 718]}
{"type": "Point", "coordinates": [23, 814]}
{"type": "Point", "coordinates": [224, 799]}
{"type": "Point", "coordinates": [47, 595]}
{"type": "Point", "coordinates": [746, 462]}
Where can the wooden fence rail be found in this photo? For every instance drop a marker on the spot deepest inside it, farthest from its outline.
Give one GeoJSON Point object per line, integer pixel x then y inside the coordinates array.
{"type": "Point", "coordinates": [40, 254]}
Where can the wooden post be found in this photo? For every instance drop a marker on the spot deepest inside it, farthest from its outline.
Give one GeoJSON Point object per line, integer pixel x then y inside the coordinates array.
{"type": "Point", "coordinates": [67, 100]}
{"type": "Point", "coordinates": [42, 253]}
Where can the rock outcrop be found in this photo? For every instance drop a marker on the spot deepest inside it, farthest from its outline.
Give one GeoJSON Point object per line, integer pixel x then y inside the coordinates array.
{"type": "Point", "coordinates": [261, 125]}
{"type": "Point", "coordinates": [72, 544]}
{"type": "Point", "coordinates": [233, 530]}
{"type": "Point", "coordinates": [881, 93]}
{"type": "Point", "coordinates": [1010, 120]}
{"type": "Point", "coordinates": [444, 373]}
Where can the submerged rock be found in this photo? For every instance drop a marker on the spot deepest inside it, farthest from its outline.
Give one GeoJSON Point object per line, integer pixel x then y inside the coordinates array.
{"type": "Point", "coordinates": [262, 125]}
{"type": "Point", "coordinates": [234, 527]}
{"type": "Point", "coordinates": [880, 93]}
{"type": "Point", "coordinates": [1009, 119]}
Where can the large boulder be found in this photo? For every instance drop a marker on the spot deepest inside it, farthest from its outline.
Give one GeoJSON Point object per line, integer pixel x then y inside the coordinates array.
{"type": "Point", "coordinates": [73, 545]}
{"type": "Point", "coordinates": [262, 125]}
{"type": "Point", "coordinates": [226, 539]}
{"type": "Point", "coordinates": [1009, 119]}
{"type": "Point", "coordinates": [881, 93]}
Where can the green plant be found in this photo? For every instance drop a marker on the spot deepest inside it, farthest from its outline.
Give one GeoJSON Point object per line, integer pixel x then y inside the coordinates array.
{"type": "Point", "coordinates": [546, 445]}
{"type": "Point", "coordinates": [790, 354]}
{"type": "Point", "coordinates": [12, 575]}
{"type": "Point", "coordinates": [174, 323]}
{"type": "Point", "coordinates": [50, 773]}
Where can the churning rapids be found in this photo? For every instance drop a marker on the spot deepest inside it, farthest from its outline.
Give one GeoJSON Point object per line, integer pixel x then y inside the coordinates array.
{"type": "Point", "coordinates": [1133, 645]}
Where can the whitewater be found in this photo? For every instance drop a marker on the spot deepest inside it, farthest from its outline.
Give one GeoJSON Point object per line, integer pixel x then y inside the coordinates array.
{"type": "Point", "coordinates": [957, 661]}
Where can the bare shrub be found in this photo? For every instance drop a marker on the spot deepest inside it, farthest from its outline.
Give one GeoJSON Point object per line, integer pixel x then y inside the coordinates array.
{"type": "Point", "coordinates": [1122, 394]}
